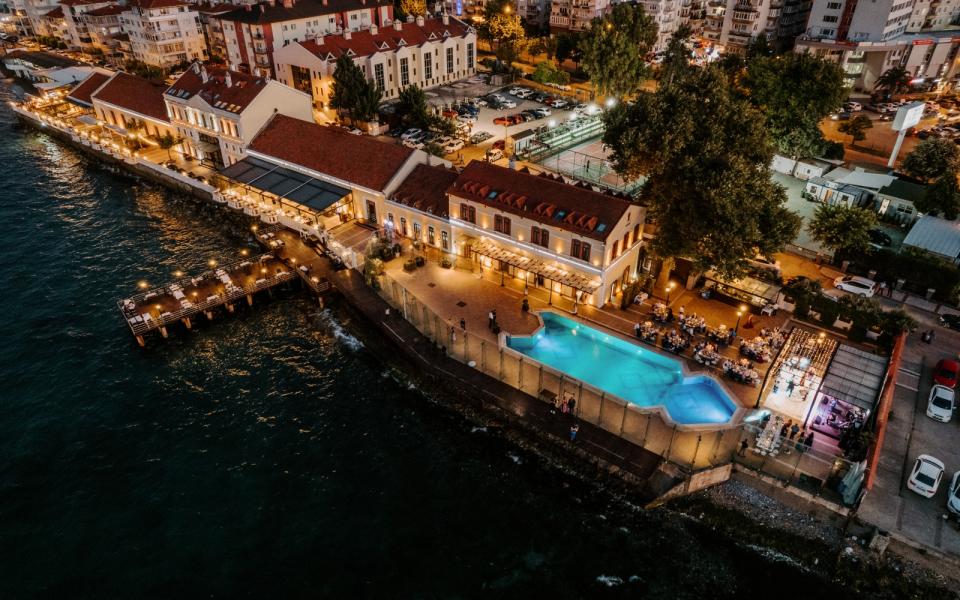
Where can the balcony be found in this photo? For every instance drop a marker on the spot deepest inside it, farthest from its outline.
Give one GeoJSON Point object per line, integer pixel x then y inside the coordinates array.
{"type": "Point", "coordinates": [745, 16]}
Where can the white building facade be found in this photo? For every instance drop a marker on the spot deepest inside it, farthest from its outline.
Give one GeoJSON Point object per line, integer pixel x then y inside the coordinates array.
{"type": "Point", "coordinates": [164, 33]}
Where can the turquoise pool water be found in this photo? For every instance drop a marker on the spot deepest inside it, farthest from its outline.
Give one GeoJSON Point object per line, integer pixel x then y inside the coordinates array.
{"type": "Point", "coordinates": [632, 372]}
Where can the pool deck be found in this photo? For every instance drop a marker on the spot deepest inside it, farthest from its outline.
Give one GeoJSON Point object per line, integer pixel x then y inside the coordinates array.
{"type": "Point", "coordinates": [459, 293]}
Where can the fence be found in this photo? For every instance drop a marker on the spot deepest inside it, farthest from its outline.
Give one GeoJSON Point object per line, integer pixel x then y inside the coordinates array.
{"type": "Point", "coordinates": [689, 448]}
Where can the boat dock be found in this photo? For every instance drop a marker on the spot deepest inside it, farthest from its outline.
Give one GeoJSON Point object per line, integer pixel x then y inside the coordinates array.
{"type": "Point", "coordinates": [179, 301]}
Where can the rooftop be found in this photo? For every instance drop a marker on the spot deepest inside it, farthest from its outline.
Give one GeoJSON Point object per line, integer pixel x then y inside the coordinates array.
{"type": "Point", "coordinates": [577, 209]}
{"type": "Point", "coordinates": [151, 4]}
{"type": "Point", "coordinates": [360, 160]}
{"type": "Point", "coordinates": [266, 12]}
{"type": "Point", "coordinates": [904, 190]}
{"type": "Point", "coordinates": [43, 60]}
{"type": "Point", "coordinates": [227, 90]}
{"type": "Point", "coordinates": [425, 189]}
{"type": "Point", "coordinates": [935, 235]}
{"type": "Point", "coordinates": [56, 13]}
{"type": "Point", "coordinates": [386, 39]}
{"type": "Point", "coordinates": [81, 93]}
{"type": "Point", "coordinates": [135, 94]}
{"type": "Point", "coordinates": [106, 11]}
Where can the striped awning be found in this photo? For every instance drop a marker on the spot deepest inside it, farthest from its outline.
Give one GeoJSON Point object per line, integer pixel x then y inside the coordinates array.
{"type": "Point", "coordinates": [586, 285]}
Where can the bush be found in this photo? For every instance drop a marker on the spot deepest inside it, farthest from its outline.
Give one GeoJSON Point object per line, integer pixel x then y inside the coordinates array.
{"type": "Point", "coordinates": [420, 261]}
{"type": "Point", "coordinates": [410, 265]}
{"type": "Point", "coordinates": [833, 150]}
{"type": "Point", "coordinates": [919, 270]}
{"type": "Point", "coordinates": [446, 263]}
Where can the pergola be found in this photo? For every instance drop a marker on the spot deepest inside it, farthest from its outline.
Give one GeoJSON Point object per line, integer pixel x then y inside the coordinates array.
{"type": "Point", "coordinates": [293, 190]}
{"type": "Point", "coordinates": [537, 267]}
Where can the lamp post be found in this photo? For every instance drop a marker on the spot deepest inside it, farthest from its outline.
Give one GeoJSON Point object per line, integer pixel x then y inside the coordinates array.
{"type": "Point", "coordinates": [736, 328]}
{"type": "Point", "coordinates": [669, 289]}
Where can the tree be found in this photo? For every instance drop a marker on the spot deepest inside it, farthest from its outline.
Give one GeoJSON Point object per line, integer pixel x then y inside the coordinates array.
{"type": "Point", "coordinates": [367, 102]}
{"type": "Point", "coordinates": [931, 158]}
{"type": "Point", "coordinates": [796, 91]}
{"type": "Point", "coordinates": [412, 107]}
{"type": "Point", "coordinates": [706, 156]}
{"type": "Point", "coordinates": [568, 47]}
{"type": "Point", "coordinates": [548, 72]}
{"type": "Point", "coordinates": [942, 198]}
{"type": "Point", "coordinates": [506, 29]}
{"type": "Point", "coordinates": [615, 48]}
{"type": "Point", "coordinates": [676, 60]}
{"type": "Point", "coordinates": [856, 128]}
{"type": "Point", "coordinates": [839, 227]}
{"type": "Point", "coordinates": [348, 84]}
{"type": "Point", "coordinates": [544, 45]}
{"type": "Point", "coordinates": [167, 142]}
{"type": "Point", "coordinates": [893, 81]}
{"type": "Point", "coordinates": [413, 7]}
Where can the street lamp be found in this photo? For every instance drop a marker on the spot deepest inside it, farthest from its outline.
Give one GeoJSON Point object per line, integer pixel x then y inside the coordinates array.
{"type": "Point", "coordinates": [178, 274]}
{"type": "Point", "coordinates": [212, 263]}
{"type": "Point", "coordinates": [669, 289]}
{"type": "Point", "coordinates": [143, 285]}
{"type": "Point", "coordinates": [737, 326]}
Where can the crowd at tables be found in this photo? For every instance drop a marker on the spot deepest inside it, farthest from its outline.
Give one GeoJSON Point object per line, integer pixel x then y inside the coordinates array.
{"type": "Point", "coordinates": [762, 348]}
{"type": "Point", "coordinates": [741, 371]}
{"type": "Point", "coordinates": [706, 353]}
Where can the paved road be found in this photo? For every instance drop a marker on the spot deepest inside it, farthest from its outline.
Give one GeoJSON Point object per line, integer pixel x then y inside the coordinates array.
{"type": "Point", "coordinates": [890, 505]}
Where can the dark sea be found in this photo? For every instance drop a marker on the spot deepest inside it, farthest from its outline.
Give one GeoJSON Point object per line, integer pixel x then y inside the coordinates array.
{"type": "Point", "coordinates": [267, 454]}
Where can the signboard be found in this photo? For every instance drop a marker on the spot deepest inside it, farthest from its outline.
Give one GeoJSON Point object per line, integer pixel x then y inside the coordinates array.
{"type": "Point", "coordinates": [908, 116]}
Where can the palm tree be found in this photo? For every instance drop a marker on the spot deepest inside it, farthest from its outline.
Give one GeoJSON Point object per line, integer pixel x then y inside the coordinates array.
{"type": "Point", "coordinates": [167, 142]}
{"type": "Point", "coordinates": [894, 80]}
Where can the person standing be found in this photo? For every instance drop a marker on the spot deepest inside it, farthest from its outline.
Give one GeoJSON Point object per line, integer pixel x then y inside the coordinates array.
{"type": "Point", "coordinates": [573, 432]}
{"type": "Point", "coordinates": [571, 404]}
{"type": "Point", "coordinates": [463, 324]}
{"type": "Point", "coordinates": [744, 444]}
{"type": "Point", "coordinates": [794, 430]}
{"type": "Point", "coordinates": [490, 319]}
{"type": "Point", "coordinates": [808, 442]}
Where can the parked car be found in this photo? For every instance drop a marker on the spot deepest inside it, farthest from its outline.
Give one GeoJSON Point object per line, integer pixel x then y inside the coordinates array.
{"type": "Point", "coordinates": [467, 118]}
{"type": "Point", "coordinates": [480, 137]}
{"type": "Point", "coordinates": [859, 286]}
{"type": "Point", "coordinates": [539, 97]}
{"type": "Point", "coordinates": [411, 133]}
{"type": "Point", "coordinates": [940, 404]}
{"type": "Point", "coordinates": [524, 93]}
{"type": "Point", "coordinates": [499, 145]}
{"type": "Point", "coordinates": [508, 104]}
{"type": "Point", "coordinates": [852, 106]}
{"type": "Point", "coordinates": [840, 116]}
{"type": "Point", "coordinates": [953, 495]}
{"type": "Point", "coordinates": [946, 372]}
{"type": "Point", "coordinates": [494, 154]}
{"type": "Point", "coordinates": [479, 102]}
{"type": "Point", "coordinates": [453, 146]}
{"type": "Point", "coordinates": [559, 103]}
{"type": "Point", "coordinates": [950, 321]}
{"type": "Point", "coordinates": [926, 475]}
{"type": "Point", "coordinates": [543, 111]}
{"type": "Point", "coordinates": [879, 237]}
{"type": "Point", "coordinates": [514, 90]}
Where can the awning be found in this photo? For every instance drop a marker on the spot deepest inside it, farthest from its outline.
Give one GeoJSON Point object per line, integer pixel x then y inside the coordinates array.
{"type": "Point", "coordinates": [285, 183]}
{"type": "Point", "coordinates": [88, 119]}
{"type": "Point", "coordinates": [855, 377]}
{"type": "Point", "coordinates": [748, 285]}
{"type": "Point", "coordinates": [574, 280]}
{"type": "Point", "coordinates": [115, 128]}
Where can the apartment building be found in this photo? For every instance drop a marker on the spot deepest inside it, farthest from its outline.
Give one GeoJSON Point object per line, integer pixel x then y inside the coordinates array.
{"type": "Point", "coordinates": [34, 12]}
{"type": "Point", "coordinates": [575, 15]}
{"type": "Point", "coordinates": [422, 52]}
{"type": "Point", "coordinates": [868, 39]}
{"type": "Point", "coordinates": [218, 112]}
{"type": "Point", "coordinates": [77, 30]}
{"type": "Point", "coordinates": [213, 27]}
{"type": "Point", "coordinates": [254, 32]}
{"type": "Point", "coordinates": [668, 15]}
{"type": "Point", "coordinates": [164, 33]}
{"type": "Point", "coordinates": [53, 24]}
{"type": "Point", "coordinates": [103, 27]}
{"type": "Point", "coordinates": [732, 24]}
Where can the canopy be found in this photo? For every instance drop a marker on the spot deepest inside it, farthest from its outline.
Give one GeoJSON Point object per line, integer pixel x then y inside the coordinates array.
{"type": "Point", "coordinates": [285, 183]}
{"type": "Point", "coordinates": [577, 282]}
{"type": "Point", "coordinates": [855, 377]}
{"type": "Point", "coordinates": [752, 290]}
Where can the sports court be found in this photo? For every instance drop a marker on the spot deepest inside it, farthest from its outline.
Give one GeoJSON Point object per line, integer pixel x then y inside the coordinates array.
{"type": "Point", "coordinates": [588, 162]}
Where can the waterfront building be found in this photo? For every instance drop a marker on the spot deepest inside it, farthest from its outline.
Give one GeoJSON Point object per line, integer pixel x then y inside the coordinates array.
{"type": "Point", "coordinates": [81, 94]}
{"type": "Point", "coordinates": [129, 105]}
{"type": "Point", "coordinates": [35, 66]}
{"type": "Point", "coordinates": [218, 111]}
{"type": "Point", "coordinates": [164, 33]}
{"type": "Point", "coordinates": [103, 27]}
{"type": "Point", "coordinates": [868, 39]}
{"type": "Point", "coordinates": [77, 30]}
{"type": "Point", "coordinates": [732, 24]}
{"type": "Point", "coordinates": [254, 32]}
{"type": "Point", "coordinates": [423, 52]}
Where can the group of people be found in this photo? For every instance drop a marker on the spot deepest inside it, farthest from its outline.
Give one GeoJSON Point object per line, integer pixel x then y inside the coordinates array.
{"type": "Point", "coordinates": [780, 434]}
{"type": "Point", "coordinates": [675, 342]}
{"type": "Point", "coordinates": [706, 353]}
{"type": "Point", "coordinates": [646, 332]}
{"type": "Point", "coordinates": [802, 439]}
{"type": "Point", "coordinates": [741, 371]}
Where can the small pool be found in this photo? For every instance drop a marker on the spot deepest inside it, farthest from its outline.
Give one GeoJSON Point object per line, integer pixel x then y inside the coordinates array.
{"type": "Point", "coordinates": [632, 372]}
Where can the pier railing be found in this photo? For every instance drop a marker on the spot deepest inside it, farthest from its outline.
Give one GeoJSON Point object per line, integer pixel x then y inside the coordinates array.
{"type": "Point", "coordinates": [692, 447]}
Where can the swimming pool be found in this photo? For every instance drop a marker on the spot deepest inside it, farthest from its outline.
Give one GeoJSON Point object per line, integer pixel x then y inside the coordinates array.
{"type": "Point", "coordinates": [636, 374]}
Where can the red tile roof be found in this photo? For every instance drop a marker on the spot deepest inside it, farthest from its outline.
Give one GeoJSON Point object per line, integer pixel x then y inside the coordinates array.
{"type": "Point", "coordinates": [276, 12]}
{"type": "Point", "coordinates": [360, 160]}
{"type": "Point", "coordinates": [135, 94]}
{"type": "Point", "coordinates": [387, 39]}
{"type": "Point", "coordinates": [106, 11]}
{"type": "Point", "coordinates": [576, 209]}
{"type": "Point", "coordinates": [425, 189]}
{"type": "Point", "coordinates": [56, 13]}
{"type": "Point", "coordinates": [149, 4]}
{"type": "Point", "coordinates": [234, 98]}
{"type": "Point", "coordinates": [81, 93]}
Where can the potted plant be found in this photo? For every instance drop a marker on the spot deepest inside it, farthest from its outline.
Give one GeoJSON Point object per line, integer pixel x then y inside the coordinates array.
{"type": "Point", "coordinates": [445, 263]}
{"type": "Point", "coordinates": [409, 265]}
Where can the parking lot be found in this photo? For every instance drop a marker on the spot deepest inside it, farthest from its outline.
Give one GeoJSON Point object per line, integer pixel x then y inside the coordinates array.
{"type": "Point", "coordinates": [890, 504]}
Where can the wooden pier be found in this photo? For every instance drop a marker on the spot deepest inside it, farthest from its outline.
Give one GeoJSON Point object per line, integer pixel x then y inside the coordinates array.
{"type": "Point", "coordinates": [308, 259]}
{"type": "Point", "coordinates": [180, 301]}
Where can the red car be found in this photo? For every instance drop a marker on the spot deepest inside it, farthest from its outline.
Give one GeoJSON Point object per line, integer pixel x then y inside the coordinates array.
{"type": "Point", "coordinates": [946, 373]}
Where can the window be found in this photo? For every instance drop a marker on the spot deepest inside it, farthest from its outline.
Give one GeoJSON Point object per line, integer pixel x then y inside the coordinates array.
{"type": "Point", "coordinates": [428, 68]}
{"type": "Point", "coordinates": [501, 224]}
{"type": "Point", "coordinates": [540, 237]}
{"type": "Point", "coordinates": [431, 236]}
{"type": "Point", "coordinates": [580, 250]}
{"type": "Point", "coordinates": [468, 213]}
{"type": "Point", "coordinates": [469, 56]}
{"type": "Point", "coordinates": [444, 240]}
{"type": "Point", "coordinates": [417, 231]}
{"type": "Point", "coordinates": [378, 75]}
{"type": "Point", "coordinates": [626, 241]}
{"type": "Point", "coordinates": [636, 233]}
{"type": "Point", "coordinates": [403, 226]}
{"type": "Point", "coordinates": [830, 18]}
{"type": "Point", "coordinates": [449, 60]}
{"type": "Point", "coordinates": [404, 72]}
{"type": "Point", "coordinates": [615, 252]}
{"type": "Point", "coordinates": [833, 5]}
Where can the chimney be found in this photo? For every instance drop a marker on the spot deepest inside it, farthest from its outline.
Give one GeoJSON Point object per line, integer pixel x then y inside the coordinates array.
{"type": "Point", "coordinates": [227, 79]}
{"type": "Point", "coordinates": [374, 29]}
{"type": "Point", "coordinates": [419, 20]}
{"type": "Point", "coordinates": [446, 19]}
{"type": "Point", "coordinates": [196, 68]}
{"type": "Point", "coordinates": [409, 18]}
{"type": "Point", "coordinates": [347, 34]}
{"type": "Point", "coordinates": [203, 75]}
{"type": "Point", "coordinates": [319, 39]}
{"type": "Point", "coordinates": [397, 25]}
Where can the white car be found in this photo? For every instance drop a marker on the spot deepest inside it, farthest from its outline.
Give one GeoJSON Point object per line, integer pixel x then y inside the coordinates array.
{"type": "Point", "coordinates": [926, 475]}
{"type": "Point", "coordinates": [858, 286]}
{"type": "Point", "coordinates": [853, 106]}
{"type": "Point", "coordinates": [558, 103]}
{"type": "Point", "coordinates": [514, 91]}
{"type": "Point", "coordinates": [453, 146]}
{"type": "Point", "coordinates": [508, 104]}
{"type": "Point", "coordinates": [941, 403]}
{"type": "Point", "coordinates": [467, 118]}
{"type": "Point", "coordinates": [411, 134]}
{"type": "Point", "coordinates": [524, 93]}
{"type": "Point", "coordinates": [953, 495]}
